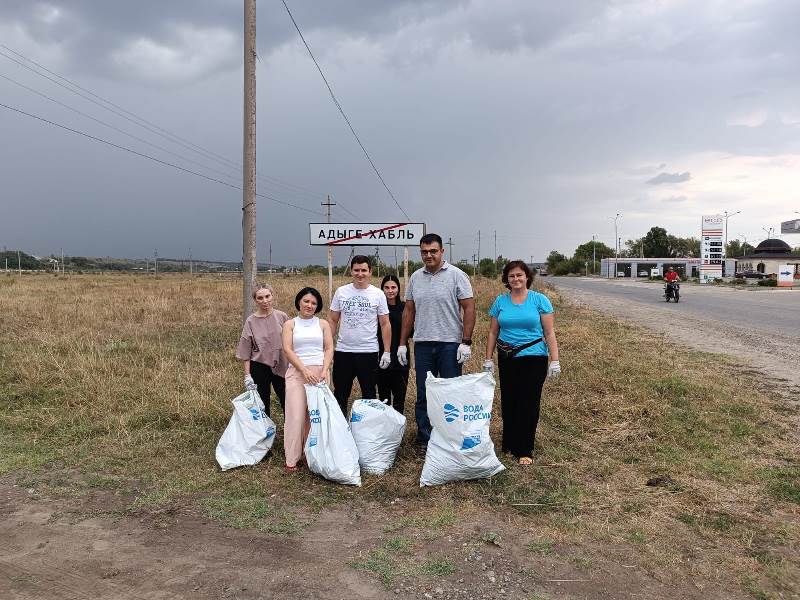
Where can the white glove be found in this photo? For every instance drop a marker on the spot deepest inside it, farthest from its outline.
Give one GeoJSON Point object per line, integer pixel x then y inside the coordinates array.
{"type": "Point", "coordinates": [464, 353]}
{"type": "Point", "coordinates": [249, 384]}
{"type": "Point", "coordinates": [488, 366]}
{"type": "Point", "coordinates": [386, 360]}
{"type": "Point", "coordinates": [555, 369]}
{"type": "Point", "coordinates": [402, 355]}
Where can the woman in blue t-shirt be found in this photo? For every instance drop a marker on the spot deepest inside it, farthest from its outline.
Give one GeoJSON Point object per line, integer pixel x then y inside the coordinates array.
{"type": "Point", "coordinates": [522, 330]}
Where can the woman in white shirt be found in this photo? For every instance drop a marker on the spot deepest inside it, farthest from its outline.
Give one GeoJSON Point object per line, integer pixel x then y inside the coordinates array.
{"type": "Point", "coordinates": [308, 346]}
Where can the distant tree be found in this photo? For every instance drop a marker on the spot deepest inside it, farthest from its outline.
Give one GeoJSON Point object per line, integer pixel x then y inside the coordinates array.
{"type": "Point", "coordinates": [688, 247]}
{"type": "Point", "coordinates": [553, 259]}
{"type": "Point", "coordinates": [656, 244]}
{"type": "Point", "coordinates": [26, 261]}
{"type": "Point", "coordinates": [735, 248]}
{"type": "Point", "coordinates": [487, 267]}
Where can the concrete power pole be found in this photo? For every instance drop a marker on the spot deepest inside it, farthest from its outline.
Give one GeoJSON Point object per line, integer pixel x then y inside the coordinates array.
{"type": "Point", "coordinates": [452, 258]}
{"type": "Point", "coordinates": [328, 205]}
{"type": "Point", "coordinates": [479, 248]}
{"type": "Point", "coordinates": [19, 264]}
{"type": "Point", "coordinates": [155, 262]}
{"type": "Point", "coordinates": [249, 161]}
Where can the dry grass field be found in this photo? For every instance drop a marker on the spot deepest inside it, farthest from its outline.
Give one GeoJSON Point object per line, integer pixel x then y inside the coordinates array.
{"type": "Point", "coordinates": [659, 472]}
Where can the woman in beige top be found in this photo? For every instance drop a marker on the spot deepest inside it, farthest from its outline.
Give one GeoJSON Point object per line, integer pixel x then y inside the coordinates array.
{"type": "Point", "coordinates": [260, 348]}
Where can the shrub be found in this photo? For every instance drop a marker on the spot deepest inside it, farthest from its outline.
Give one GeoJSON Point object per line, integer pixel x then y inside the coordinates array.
{"type": "Point", "coordinates": [768, 282]}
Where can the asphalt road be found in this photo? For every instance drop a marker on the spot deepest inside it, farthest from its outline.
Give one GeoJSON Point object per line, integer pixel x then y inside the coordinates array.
{"type": "Point", "coordinates": [768, 311]}
{"type": "Point", "coordinates": [759, 327]}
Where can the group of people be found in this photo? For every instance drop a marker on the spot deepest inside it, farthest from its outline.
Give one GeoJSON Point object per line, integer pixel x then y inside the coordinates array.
{"type": "Point", "coordinates": [374, 327]}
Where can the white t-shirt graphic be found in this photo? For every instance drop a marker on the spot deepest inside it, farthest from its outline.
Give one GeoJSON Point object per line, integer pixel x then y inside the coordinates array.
{"type": "Point", "coordinates": [358, 323]}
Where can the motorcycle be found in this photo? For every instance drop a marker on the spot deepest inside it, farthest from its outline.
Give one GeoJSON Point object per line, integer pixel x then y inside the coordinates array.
{"type": "Point", "coordinates": [672, 290]}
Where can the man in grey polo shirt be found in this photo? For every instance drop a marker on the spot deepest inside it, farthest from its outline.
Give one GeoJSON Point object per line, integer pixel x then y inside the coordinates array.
{"type": "Point", "coordinates": [435, 298]}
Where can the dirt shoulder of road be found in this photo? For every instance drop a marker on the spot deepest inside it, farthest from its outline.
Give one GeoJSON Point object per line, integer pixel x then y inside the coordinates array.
{"type": "Point", "coordinates": [776, 358]}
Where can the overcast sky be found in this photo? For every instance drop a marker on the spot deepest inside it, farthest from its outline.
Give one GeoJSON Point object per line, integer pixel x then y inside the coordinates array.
{"type": "Point", "coordinates": [537, 120]}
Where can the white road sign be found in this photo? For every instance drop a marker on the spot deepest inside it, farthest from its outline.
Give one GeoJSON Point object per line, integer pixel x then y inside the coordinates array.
{"type": "Point", "coordinates": [365, 234]}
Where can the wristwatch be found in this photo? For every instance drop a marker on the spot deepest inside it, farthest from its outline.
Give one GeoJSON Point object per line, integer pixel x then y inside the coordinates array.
{"type": "Point", "coordinates": [466, 342]}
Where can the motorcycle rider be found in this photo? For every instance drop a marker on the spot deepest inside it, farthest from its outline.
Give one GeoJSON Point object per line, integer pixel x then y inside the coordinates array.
{"type": "Point", "coordinates": [671, 276]}
{"type": "Point", "coordinates": [671, 279]}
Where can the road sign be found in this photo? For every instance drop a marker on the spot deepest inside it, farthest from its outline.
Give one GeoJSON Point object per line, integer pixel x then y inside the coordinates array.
{"type": "Point", "coordinates": [785, 275]}
{"type": "Point", "coordinates": [792, 226]}
{"type": "Point", "coordinates": [365, 234]}
{"type": "Point", "coordinates": [712, 251]}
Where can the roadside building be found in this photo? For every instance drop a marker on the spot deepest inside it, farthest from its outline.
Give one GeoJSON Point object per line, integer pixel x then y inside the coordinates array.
{"type": "Point", "coordinates": [768, 257]}
{"type": "Point", "coordinates": [643, 267]}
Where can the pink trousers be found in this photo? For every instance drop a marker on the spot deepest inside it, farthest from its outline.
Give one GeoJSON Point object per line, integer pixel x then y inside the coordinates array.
{"type": "Point", "coordinates": [296, 423]}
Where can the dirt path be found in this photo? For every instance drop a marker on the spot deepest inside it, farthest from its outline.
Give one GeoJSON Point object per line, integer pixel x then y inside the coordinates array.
{"type": "Point", "coordinates": [96, 548]}
{"type": "Point", "coordinates": [772, 354]}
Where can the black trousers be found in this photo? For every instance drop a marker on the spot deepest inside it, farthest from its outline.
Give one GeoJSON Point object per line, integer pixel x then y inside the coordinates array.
{"type": "Point", "coordinates": [392, 385]}
{"type": "Point", "coordinates": [521, 382]}
{"type": "Point", "coordinates": [264, 377]}
{"type": "Point", "coordinates": [346, 367]}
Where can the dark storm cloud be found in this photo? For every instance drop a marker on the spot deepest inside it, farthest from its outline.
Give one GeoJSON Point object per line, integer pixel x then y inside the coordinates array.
{"type": "Point", "coordinates": [669, 178]}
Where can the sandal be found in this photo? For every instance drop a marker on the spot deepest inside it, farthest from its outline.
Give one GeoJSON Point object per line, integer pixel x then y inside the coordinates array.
{"type": "Point", "coordinates": [289, 469]}
{"type": "Point", "coordinates": [525, 461]}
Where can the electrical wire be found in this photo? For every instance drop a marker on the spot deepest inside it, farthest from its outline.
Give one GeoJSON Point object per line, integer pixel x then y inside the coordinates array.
{"type": "Point", "coordinates": [341, 110]}
{"type": "Point", "coordinates": [113, 127]}
{"type": "Point", "coordinates": [132, 117]}
{"type": "Point", "coordinates": [152, 158]}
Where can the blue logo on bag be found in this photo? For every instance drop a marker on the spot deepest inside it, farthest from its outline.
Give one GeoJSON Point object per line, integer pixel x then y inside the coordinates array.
{"type": "Point", "coordinates": [356, 417]}
{"type": "Point", "coordinates": [314, 416]}
{"type": "Point", "coordinates": [270, 431]}
{"type": "Point", "coordinates": [312, 441]}
{"type": "Point", "coordinates": [451, 413]}
{"type": "Point", "coordinates": [255, 413]}
{"type": "Point", "coordinates": [470, 442]}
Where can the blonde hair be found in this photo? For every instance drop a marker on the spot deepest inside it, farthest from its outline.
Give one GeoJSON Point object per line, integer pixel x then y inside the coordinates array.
{"type": "Point", "coordinates": [262, 286]}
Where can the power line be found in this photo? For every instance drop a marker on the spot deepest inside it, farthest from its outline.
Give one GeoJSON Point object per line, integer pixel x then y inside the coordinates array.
{"type": "Point", "coordinates": [341, 110]}
{"type": "Point", "coordinates": [117, 129]}
{"type": "Point", "coordinates": [142, 122]}
{"type": "Point", "coordinates": [148, 157]}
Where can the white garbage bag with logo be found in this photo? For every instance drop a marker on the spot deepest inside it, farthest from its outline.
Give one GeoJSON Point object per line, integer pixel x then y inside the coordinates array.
{"type": "Point", "coordinates": [378, 430]}
{"type": "Point", "coordinates": [330, 448]}
{"type": "Point", "coordinates": [460, 409]}
{"type": "Point", "coordinates": [249, 435]}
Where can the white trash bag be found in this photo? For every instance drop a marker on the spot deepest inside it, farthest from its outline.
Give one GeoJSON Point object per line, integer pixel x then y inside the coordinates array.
{"type": "Point", "coordinates": [378, 430]}
{"type": "Point", "coordinates": [249, 435]}
{"type": "Point", "coordinates": [460, 409]}
{"type": "Point", "coordinates": [330, 449]}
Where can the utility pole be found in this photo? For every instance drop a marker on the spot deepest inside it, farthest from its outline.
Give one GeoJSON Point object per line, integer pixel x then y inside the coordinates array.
{"type": "Point", "coordinates": [328, 205]}
{"type": "Point", "coordinates": [191, 265]}
{"type": "Point", "coordinates": [450, 245]}
{"type": "Point", "coordinates": [249, 265]}
{"type": "Point", "coordinates": [474, 266]}
{"type": "Point", "coordinates": [495, 246]}
{"type": "Point", "coordinates": [155, 262]}
{"type": "Point", "coordinates": [479, 247]}
{"type": "Point", "coordinates": [616, 242]}
{"type": "Point", "coordinates": [270, 255]}
{"type": "Point", "coordinates": [19, 264]}
{"type": "Point", "coordinates": [594, 252]}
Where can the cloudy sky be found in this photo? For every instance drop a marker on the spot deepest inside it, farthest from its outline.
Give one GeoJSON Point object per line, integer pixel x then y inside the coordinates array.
{"type": "Point", "coordinates": [535, 120]}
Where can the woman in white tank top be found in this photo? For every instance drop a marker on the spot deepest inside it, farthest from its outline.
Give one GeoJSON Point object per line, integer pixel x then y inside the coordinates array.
{"type": "Point", "coordinates": [308, 346]}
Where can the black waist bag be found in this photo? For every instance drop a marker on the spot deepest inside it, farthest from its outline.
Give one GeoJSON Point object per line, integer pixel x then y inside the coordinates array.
{"type": "Point", "coordinates": [506, 350]}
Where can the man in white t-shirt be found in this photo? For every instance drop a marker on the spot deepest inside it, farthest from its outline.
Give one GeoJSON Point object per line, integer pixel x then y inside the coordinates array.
{"type": "Point", "coordinates": [357, 309]}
